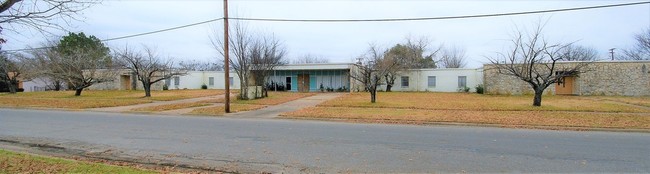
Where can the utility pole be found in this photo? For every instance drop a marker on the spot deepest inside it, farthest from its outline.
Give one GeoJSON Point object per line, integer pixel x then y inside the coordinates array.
{"type": "Point", "coordinates": [226, 64]}
{"type": "Point", "coordinates": [611, 51]}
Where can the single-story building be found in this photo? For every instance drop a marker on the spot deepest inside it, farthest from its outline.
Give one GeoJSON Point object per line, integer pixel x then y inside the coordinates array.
{"type": "Point", "coordinates": [439, 80]}
{"type": "Point", "coordinates": [625, 78]}
{"type": "Point", "coordinates": [310, 78]}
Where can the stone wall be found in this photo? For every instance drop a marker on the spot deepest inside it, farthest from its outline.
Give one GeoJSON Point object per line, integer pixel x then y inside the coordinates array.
{"type": "Point", "coordinates": [625, 78]}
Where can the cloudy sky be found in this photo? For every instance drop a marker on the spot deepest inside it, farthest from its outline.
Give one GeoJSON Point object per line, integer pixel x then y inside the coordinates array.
{"type": "Point", "coordinates": [341, 42]}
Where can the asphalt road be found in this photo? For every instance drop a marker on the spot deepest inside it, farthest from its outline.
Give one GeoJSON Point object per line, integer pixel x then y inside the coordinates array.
{"type": "Point", "coordinates": [292, 146]}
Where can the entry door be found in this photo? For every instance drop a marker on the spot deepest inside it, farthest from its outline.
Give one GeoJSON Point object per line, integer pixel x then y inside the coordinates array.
{"type": "Point", "coordinates": [566, 87]}
{"type": "Point", "coordinates": [303, 82]}
{"type": "Point", "coordinates": [126, 82]}
{"type": "Point", "coordinates": [288, 82]}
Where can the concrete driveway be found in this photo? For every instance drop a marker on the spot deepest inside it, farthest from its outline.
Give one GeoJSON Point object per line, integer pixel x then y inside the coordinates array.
{"type": "Point", "coordinates": [275, 110]}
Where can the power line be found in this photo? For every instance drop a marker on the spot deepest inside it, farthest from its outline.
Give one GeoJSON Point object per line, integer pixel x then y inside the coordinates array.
{"type": "Point", "coordinates": [163, 30]}
{"type": "Point", "coordinates": [439, 18]}
{"type": "Point", "coordinates": [127, 36]}
{"type": "Point", "coordinates": [360, 20]}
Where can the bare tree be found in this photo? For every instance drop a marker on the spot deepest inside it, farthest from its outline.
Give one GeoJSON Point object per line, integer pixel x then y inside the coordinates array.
{"type": "Point", "coordinates": [200, 66]}
{"type": "Point", "coordinates": [420, 54]}
{"type": "Point", "coordinates": [41, 14]}
{"type": "Point", "coordinates": [579, 53]}
{"type": "Point", "coordinates": [11, 69]}
{"type": "Point", "coordinates": [149, 68]}
{"type": "Point", "coordinates": [399, 55]}
{"type": "Point", "coordinates": [253, 56]}
{"type": "Point", "coordinates": [414, 53]}
{"type": "Point", "coordinates": [266, 54]}
{"type": "Point", "coordinates": [240, 42]}
{"type": "Point", "coordinates": [533, 60]}
{"type": "Point", "coordinates": [640, 51]}
{"type": "Point", "coordinates": [453, 57]}
{"type": "Point", "coordinates": [370, 70]}
{"type": "Point", "coordinates": [80, 68]}
{"type": "Point", "coordinates": [310, 59]}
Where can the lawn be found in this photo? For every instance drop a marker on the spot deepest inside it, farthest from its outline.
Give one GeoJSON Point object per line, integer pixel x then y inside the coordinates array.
{"type": "Point", "coordinates": [421, 107]}
{"type": "Point", "coordinates": [11, 162]}
{"type": "Point", "coordinates": [470, 101]}
{"type": "Point", "coordinates": [237, 105]}
{"type": "Point", "coordinates": [168, 107]}
{"type": "Point", "coordinates": [219, 110]}
{"type": "Point", "coordinates": [96, 98]}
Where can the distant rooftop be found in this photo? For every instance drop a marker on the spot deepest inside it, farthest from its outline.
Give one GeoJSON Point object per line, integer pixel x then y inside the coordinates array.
{"type": "Point", "coordinates": [316, 66]}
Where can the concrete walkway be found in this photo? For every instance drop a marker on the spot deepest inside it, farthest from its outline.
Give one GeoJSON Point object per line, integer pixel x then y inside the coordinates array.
{"type": "Point", "coordinates": [275, 110]}
{"type": "Point", "coordinates": [155, 103]}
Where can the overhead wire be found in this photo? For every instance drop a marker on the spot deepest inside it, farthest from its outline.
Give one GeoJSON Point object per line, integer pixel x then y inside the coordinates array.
{"type": "Point", "coordinates": [360, 20]}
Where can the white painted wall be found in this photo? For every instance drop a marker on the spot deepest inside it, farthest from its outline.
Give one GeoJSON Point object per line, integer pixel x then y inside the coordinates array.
{"type": "Point", "coordinates": [446, 79]}
{"type": "Point", "coordinates": [38, 84]}
{"type": "Point", "coordinates": [195, 79]}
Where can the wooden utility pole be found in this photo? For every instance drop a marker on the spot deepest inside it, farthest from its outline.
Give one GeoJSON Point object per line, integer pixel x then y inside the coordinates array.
{"type": "Point", "coordinates": [226, 64]}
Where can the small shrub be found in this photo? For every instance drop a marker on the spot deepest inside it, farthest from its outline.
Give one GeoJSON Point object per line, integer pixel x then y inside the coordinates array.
{"type": "Point", "coordinates": [479, 89]}
{"type": "Point", "coordinates": [341, 89]}
{"type": "Point", "coordinates": [322, 89]}
{"type": "Point", "coordinates": [204, 86]}
{"type": "Point", "coordinates": [165, 87]}
{"type": "Point", "coordinates": [464, 89]}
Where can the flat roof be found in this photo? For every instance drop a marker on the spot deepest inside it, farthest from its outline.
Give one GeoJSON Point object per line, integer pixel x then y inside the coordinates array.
{"type": "Point", "coordinates": [316, 66]}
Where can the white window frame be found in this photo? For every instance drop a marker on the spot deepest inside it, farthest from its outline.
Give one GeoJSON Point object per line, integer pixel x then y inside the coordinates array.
{"type": "Point", "coordinates": [407, 81]}
{"type": "Point", "coordinates": [177, 81]}
{"type": "Point", "coordinates": [464, 81]}
{"type": "Point", "coordinates": [435, 79]}
{"type": "Point", "coordinates": [211, 81]}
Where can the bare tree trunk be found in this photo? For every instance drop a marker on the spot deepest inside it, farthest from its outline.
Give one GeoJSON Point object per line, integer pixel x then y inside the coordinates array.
{"type": "Point", "coordinates": [12, 87]}
{"type": "Point", "coordinates": [537, 101]}
{"type": "Point", "coordinates": [373, 95]}
{"type": "Point", "coordinates": [57, 85]}
{"type": "Point", "coordinates": [147, 89]}
{"type": "Point", "coordinates": [78, 91]}
{"type": "Point", "coordinates": [388, 87]}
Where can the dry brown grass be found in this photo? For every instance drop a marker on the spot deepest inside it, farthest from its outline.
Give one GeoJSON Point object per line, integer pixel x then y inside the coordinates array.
{"type": "Point", "coordinates": [511, 118]}
{"type": "Point", "coordinates": [66, 103]}
{"type": "Point", "coordinates": [11, 162]}
{"type": "Point", "coordinates": [170, 107]}
{"type": "Point", "coordinates": [96, 99]}
{"type": "Point", "coordinates": [276, 98]}
{"type": "Point", "coordinates": [639, 101]}
{"type": "Point", "coordinates": [219, 110]}
{"type": "Point", "coordinates": [420, 107]}
{"type": "Point", "coordinates": [464, 101]}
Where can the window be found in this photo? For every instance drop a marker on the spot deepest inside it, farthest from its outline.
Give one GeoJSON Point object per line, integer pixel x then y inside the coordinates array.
{"type": "Point", "coordinates": [405, 81]}
{"type": "Point", "coordinates": [431, 81]}
{"type": "Point", "coordinates": [211, 81]}
{"type": "Point", "coordinates": [230, 81]}
{"type": "Point", "coordinates": [177, 81]}
{"type": "Point", "coordinates": [462, 81]}
{"type": "Point", "coordinates": [168, 82]}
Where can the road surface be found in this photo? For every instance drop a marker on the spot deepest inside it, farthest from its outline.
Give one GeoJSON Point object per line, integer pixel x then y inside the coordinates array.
{"type": "Point", "coordinates": [295, 146]}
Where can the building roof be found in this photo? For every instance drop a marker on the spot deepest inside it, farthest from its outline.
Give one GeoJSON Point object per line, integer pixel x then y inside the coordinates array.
{"type": "Point", "coordinates": [316, 66]}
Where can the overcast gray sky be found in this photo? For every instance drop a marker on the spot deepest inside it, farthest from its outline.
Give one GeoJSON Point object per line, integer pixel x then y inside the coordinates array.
{"type": "Point", "coordinates": [341, 42]}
